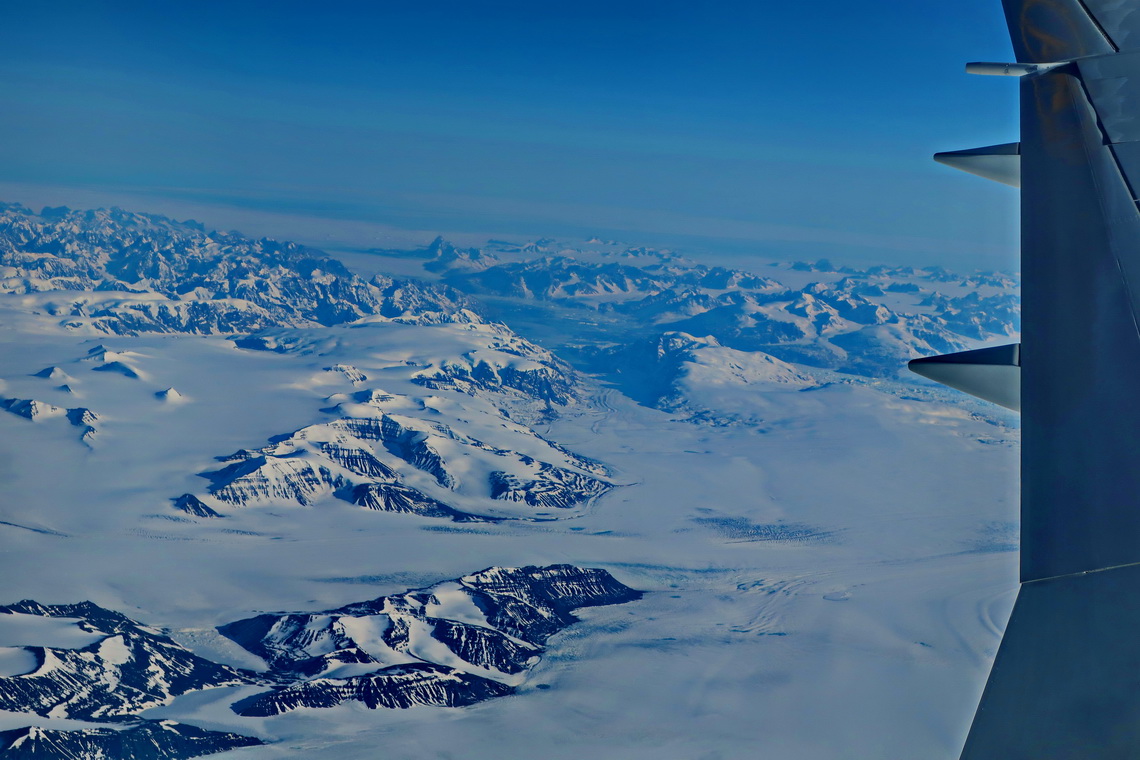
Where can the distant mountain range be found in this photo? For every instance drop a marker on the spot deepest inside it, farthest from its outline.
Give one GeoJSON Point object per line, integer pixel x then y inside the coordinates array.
{"type": "Point", "coordinates": [123, 273]}
{"type": "Point", "coordinates": [118, 272]}
{"type": "Point", "coordinates": [867, 322]}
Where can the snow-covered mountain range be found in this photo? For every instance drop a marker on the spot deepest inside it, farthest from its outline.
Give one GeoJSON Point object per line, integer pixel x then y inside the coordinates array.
{"type": "Point", "coordinates": [238, 439]}
{"type": "Point", "coordinates": [453, 644]}
{"type": "Point", "coordinates": [124, 273]}
{"type": "Point", "coordinates": [862, 321]}
{"type": "Point", "coordinates": [125, 670]}
{"type": "Point", "coordinates": [390, 453]}
{"type": "Point", "coordinates": [144, 740]}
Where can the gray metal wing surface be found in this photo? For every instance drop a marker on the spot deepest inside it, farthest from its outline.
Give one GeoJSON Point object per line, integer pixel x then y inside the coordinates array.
{"type": "Point", "coordinates": [1066, 679]}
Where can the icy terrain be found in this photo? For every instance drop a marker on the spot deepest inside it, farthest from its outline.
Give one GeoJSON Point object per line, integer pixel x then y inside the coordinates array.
{"type": "Point", "coordinates": [235, 442]}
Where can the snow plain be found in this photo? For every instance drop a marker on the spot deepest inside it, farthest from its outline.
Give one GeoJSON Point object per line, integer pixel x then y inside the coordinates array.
{"type": "Point", "coordinates": [829, 571]}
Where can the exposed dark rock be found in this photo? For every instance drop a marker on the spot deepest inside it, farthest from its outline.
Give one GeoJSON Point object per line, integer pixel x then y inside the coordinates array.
{"type": "Point", "coordinates": [30, 409]}
{"type": "Point", "coordinates": [192, 505]}
{"type": "Point", "coordinates": [120, 368]}
{"type": "Point", "coordinates": [400, 686]}
{"type": "Point", "coordinates": [533, 603]}
{"type": "Point", "coordinates": [131, 668]}
{"type": "Point", "coordinates": [551, 383]}
{"type": "Point", "coordinates": [392, 497]}
{"type": "Point", "coordinates": [82, 417]}
{"type": "Point", "coordinates": [147, 740]}
{"type": "Point", "coordinates": [829, 324]}
{"type": "Point", "coordinates": [386, 640]}
{"type": "Point", "coordinates": [553, 487]}
{"type": "Point", "coordinates": [268, 478]}
{"type": "Point", "coordinates": [484, 647]}
{"type": "Point", "coordinates": [357, 460]}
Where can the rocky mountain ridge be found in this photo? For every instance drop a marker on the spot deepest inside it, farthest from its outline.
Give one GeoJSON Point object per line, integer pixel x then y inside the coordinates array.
{"type": "Point", "coordinates": [129, 669]}
{"type": "Point", "coordinates": [119, 272]}
{"type": "Point", "coordinates": [145, 740]}
{"type": "Point", "coordinates": [392, 453]}
{"type": "Point", "coordinates": [452, 644]}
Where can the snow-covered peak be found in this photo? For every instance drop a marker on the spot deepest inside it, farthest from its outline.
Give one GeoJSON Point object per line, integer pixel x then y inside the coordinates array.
{"type": "Point", "coordinates": [55, 373]}
{"type": "Point", "coordinates": [171, 396]}
{"type": "Point", "coordinates": [32, 409]}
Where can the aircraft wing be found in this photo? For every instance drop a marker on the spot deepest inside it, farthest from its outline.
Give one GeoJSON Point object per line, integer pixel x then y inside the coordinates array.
{"type": "Point", "coordinates": [1066, 679]}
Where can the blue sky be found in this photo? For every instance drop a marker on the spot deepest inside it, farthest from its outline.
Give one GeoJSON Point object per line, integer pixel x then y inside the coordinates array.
{"type": "Point", "coordinates": [786, 129]}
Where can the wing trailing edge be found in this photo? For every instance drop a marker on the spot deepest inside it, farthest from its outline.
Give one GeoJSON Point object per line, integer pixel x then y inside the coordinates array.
{"type": "Point", "coordinates": [1063, 685]}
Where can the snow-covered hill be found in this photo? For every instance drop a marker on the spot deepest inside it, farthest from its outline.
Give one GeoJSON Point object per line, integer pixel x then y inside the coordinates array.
{"type": "Point", "coordinates": [462, 353]}
{"type": "Point", "coordinates": [672, 370]}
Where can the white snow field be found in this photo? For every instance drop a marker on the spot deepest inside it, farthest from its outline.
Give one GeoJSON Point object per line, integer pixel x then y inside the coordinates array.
{"type": "Point", "coordinates": [829, 559]}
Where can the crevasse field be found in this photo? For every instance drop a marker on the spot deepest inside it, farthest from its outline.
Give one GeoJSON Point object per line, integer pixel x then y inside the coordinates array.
{"type": "Point", "coordinates": [198, 429]}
